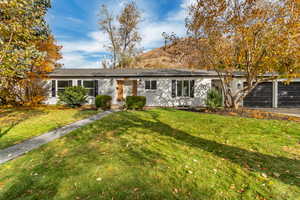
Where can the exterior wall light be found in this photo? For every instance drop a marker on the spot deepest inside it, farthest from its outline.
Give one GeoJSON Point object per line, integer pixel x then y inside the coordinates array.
{"type": "Point", "coordinates": [239, 86]}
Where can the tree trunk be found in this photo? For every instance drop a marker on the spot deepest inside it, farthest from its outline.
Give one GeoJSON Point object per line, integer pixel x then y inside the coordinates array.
{"type": "Point", "coordinates": [233, 102]}
{"type": "Point", "coordinates": [235, 105]}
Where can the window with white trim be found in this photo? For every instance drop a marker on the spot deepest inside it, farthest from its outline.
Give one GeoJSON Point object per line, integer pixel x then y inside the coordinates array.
{"type": "Point", "coordinates": [90, 87]}
{"type": "Point", "coordinates": [63, 84]}
{"type": "Point", "coordinates": [151, 85]}
{"type": "Point", "coordinates": [183, 88]}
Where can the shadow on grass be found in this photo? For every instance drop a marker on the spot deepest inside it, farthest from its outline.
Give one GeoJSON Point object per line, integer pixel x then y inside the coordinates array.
{"type": "Point", "coordinates": [84, 113]}
{"type": "Point", "coordinates": [19, 114]}
{"type": "Point", "coordinates": [253, 161]}
{"type": "Point", "coordinates": [44, 179]}
{"type": "Point", "coordinates": [5, 131]}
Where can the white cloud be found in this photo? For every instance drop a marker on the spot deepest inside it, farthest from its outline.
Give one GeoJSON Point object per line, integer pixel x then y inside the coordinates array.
{"type": "Point", "coordinates": [78, 53]}
{"type": "Point", "coordinates": [151, 30]}
{"type": "Point", "coordinates": [95, 43]}
{"type": "Point", "coordinates": [75, 20]}
{"type": "Point", "coordinates": [152, 33]}
{"type": "Point", "coordinates": [182, 13]}
{"type": "Point", "coordinates": [78, 60]}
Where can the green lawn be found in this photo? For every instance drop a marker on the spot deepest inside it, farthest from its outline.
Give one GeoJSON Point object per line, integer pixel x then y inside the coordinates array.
{"type": "Point", "coordinates": [19, 124]}
{"type": "Point", "coordinates": [162, 154]}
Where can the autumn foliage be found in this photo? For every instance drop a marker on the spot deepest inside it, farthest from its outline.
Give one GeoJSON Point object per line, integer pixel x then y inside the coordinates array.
{"type": "Point", "coordinates": [28, 51]}
{"type": "Point", "coordinates": [258, 39]}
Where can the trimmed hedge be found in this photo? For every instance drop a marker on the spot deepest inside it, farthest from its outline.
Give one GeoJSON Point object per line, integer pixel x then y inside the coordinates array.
{"type": "Point", "coordinates": [135, 102]}
{"type": "Point", "coordinates": [73, 97]}
{"type": "Point", "coordinates": [103, 102]}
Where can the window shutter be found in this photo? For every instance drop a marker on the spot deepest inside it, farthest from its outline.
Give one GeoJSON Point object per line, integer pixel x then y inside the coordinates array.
{"type": "Point", "coordinates": [192, 88]}
{"type": "Point", "coordinates": [96, 84]}
{"type": "Point", "coordinates": [134, 88]}
{"type": "Point", "coordinates": [147, 85]}
{"type": "Point", "coordinates": [70, 83]}
{"type": "Point", "coordinates": [53, 88]}
{"type": "Point", "coordinates": [173, 88]}
{"type": "Point", "coordinates": [153, 85]}
{"type": "Point", "coordinates": [79, 82]}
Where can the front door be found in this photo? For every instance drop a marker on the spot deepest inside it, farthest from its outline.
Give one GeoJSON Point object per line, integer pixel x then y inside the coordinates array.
{"type": "Point", "coordinates": [126, 88]}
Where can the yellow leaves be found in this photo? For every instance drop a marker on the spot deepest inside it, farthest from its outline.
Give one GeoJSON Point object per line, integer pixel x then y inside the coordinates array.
{"type": "Point", "coordinates": [36, 100]}
{"type": "Point", "coordinates": [24, 53]}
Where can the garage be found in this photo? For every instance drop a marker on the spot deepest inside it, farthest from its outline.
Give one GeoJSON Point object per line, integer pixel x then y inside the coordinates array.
{"type": "Point", "coordinates": [289, 94]}
{"type": "Point", "coordinates": [261, 96]}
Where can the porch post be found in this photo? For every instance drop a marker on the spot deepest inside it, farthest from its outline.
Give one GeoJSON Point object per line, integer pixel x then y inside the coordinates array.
{"type": "Point", "coordinates": [275, 94]}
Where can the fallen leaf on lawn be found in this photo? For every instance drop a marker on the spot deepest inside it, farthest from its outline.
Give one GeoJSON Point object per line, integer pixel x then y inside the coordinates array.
{"type": "Point", "coordinates": [241, 191]}
{"type": "Point", "coordinates": [264, 175]}
{"type": "Point", "coordinates": [276, 174]}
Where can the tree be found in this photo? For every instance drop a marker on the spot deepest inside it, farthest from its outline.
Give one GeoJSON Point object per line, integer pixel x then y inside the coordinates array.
{"type": "Point", "coordinates": [23, 30]}
{"type": "Point", "coordinates": [122, 32]}
{"type": "Point", "coordinates": [35, 87]}
{"type": "Point", "coordinates": [253, 38]}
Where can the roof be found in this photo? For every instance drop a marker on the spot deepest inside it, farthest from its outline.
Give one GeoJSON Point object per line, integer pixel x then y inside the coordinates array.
{"type": "Point", "coordinates": [67, 72]}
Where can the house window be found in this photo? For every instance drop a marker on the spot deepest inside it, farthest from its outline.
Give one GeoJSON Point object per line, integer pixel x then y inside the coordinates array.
{"type": "Point", "coordinates": [61, 85]}
{"type": "Point", "coordinates": [90, 86]}
{"type": "Point", "coordinates": [151, 85]}
{"type": "Point", "coordinates": [183, 88]}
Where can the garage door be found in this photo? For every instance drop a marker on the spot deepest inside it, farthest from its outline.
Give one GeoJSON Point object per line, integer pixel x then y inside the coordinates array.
{"type": "Point", "coordinates": [289, 95]}
{"type": "Point", "coordinates": [261, 96]}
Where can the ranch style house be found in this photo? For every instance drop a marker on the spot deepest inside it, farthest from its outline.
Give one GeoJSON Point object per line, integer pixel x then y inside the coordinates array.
{"type": "Point", "coordinates": [167, 87]}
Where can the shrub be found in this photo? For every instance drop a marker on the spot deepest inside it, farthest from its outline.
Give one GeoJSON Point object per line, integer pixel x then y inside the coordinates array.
{"type": "Point", "coordinates": [73, 96]}
{"type": "Point", "coordinates": [214, 99]}
{"type": "Point", "coordinates": [135, 102]}
{"type": "Point", "coordinates": [103, 102]}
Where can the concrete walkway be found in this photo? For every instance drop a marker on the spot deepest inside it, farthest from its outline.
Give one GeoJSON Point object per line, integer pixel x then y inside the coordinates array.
{"type": "Point", "coordinates": [31, 144]}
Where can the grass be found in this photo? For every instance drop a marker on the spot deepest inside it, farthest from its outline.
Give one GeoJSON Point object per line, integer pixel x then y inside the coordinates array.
{"type": "Point", "coordinates": [162, 154]}
{"type": "Point", "coordinates": [19, 124]}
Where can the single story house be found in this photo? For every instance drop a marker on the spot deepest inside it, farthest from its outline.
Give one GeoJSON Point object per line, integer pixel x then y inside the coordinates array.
{"type": "Point", "coordinates": [167, 87]}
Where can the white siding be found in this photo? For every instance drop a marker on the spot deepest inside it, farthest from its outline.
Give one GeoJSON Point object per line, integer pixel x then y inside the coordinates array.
{"type": "Point", "coordinates": [162, 96]}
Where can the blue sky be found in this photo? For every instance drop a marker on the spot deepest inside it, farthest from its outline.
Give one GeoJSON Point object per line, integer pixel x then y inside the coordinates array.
{"type": "Point", "coordinates": [74, 25]}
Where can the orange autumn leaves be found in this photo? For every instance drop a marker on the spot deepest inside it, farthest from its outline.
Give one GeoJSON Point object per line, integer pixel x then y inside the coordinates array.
{"type": "Point", "coordinates": [36, 90]}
